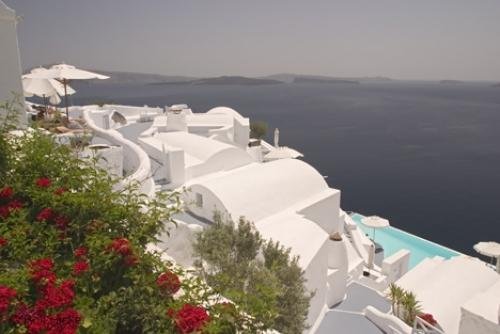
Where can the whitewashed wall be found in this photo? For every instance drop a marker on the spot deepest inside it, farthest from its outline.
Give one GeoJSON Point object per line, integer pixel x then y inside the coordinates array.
{"type": "Point", "coordinates": [473, 323]}
{"type": "Point", "coordinates": [325, 212]}
{"type": "Point", "coordinates": [210, 202]}
{"type": "Point", "coordinates": [315, 274]}
{"type": "Point", "coordinates": [10, 64]}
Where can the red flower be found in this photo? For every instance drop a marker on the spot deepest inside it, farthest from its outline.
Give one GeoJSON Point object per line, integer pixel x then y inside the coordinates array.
{"type": "Point", "coordinates": [34, 319]}
{"type": "Point", "coordinates": [121, 246]}
{"type": "Point", "coordinates": [41, 271]}
{"type": "Point", "coordinates": [45, 214]}
{"type": "Point", "coordinates": [42, 264]}
{"type": "Point", "coordinates": [189, 318]}
{"type": "Point", "coordinates": [131, 260]}
{"type": "Point", "coordinates": [64, 322]}
{"type": "Point", "coordinates": [43, 182]}
{"type": "Point", "coordinates": [428, 318]}
{"type": "Point", "coordinates": [37, 321]}
{"type": "Point", "coordinates": [80, 267]}
{"type": "Point", "coordinates": [80, 252]}
{"type": "Point", "coordinates": [15, 204]}
{"type": "Point", "coordinates": [5, 210]}
{"type": "Point", "coordinates": [6, 192]}
{"type": "Point", "coordinates": [59, 191]}
{"type": "Point", "coordinates": [3, 242]}
{"type": "Point", "coordinates": [61, 222]}
{"type": "Point", "coordinates": [168, 282]}
{"type": "Point", "coordinates": [6, 295]}
{"type": "Point", "coordinates": [55, 297]}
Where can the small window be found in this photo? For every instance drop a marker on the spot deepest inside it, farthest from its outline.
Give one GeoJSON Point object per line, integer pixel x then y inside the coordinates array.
{"type": "Point", "coordinates": [199, 200]}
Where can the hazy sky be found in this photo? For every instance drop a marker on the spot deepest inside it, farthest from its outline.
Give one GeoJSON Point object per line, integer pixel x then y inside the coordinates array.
{"type": "Point", "coordinates": [419, 39]}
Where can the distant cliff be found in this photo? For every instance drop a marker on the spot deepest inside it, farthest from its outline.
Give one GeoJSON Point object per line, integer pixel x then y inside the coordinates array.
{"type": "Point", "coordinates": [324, 81]}
{"type": "Point", "coordinates": [235, 80]}
{"type": "Point", "coordinates": [135, 78]}
{"type": "Point", "coordinates": [290, 78]}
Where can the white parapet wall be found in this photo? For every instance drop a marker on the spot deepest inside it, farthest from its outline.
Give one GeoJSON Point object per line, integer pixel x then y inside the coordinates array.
{"type": "Point", "coordinates": [396, 265]}
{"type": "Point", "coordinates": [137, 161]}
{"type": "Point", "coordinates": [473, 323]}
{"type": "Point", "coordinates": [323, 210]}
{"type": "Point", "coordinates": [10, 63]}
{"type": "Point", "coordinates": [176, 121]}
{"type": "Point", "coordinates": [133, 113]}
{"type": "Point", "coordinates": [387, 322]}
{"type": "Point", "coordinates": [241, 131]}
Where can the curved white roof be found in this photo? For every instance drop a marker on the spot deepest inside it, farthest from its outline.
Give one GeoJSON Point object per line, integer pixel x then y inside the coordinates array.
{"type": "Point", "coordinates": [297, 226]}
{"type": "Point", "coordinates": [229, 112]}
{"type": "Point", "coordinates": [225, 111]}
{"type": "Point", "coordinates": [200, 147]}
{"type": "Point", "coordinates": [257, 191]}
{"type": "Point", "coordinates": [200, 150]}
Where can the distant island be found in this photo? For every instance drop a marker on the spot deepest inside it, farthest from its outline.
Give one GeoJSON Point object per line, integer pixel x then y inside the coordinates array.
{"type": "Point", "coordinates": [224, 80]}
{"type": "Point", "coordinates": [291, 78]}
{"type": "Point", "coordinates": [135, 78]}
{"type": "Point", "coordinates": [497, 85]}
{"type": "Point", "coordinates": [324, 81]}
{"type": "Point", "coordinates": [451, 82]}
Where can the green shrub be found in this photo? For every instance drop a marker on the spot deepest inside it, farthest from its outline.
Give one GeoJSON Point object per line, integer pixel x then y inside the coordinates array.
{"type": "Point", "coordinates": [258, 129]}
{"type": "Point", "coordinates": [260, 276]}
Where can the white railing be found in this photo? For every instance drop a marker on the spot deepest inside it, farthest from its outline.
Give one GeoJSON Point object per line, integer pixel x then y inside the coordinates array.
{"type": "Point", "coordinates": [389, 323]}
{"type": "Point", "coordinates": [135, 156]}
{"type": "Point", "coordinates": [420, 326]}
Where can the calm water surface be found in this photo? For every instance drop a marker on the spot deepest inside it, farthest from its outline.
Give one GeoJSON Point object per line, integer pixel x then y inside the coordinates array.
{"type": "Point", "coordinates": [424, 155]}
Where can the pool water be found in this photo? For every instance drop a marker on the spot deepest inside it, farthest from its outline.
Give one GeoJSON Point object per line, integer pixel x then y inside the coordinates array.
{"type": "Point", "coordinates": [393, 239]}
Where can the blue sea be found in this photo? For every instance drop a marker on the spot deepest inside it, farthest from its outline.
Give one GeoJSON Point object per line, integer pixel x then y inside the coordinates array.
{"type": "Point", "coordinates": [424, 155]}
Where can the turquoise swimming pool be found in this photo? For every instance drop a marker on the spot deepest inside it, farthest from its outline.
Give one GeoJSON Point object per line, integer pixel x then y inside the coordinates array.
{"type": "Point", "coordinates": [393, 239]}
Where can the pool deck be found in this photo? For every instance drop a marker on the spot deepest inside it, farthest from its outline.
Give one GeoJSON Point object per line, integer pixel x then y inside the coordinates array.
{"type": "Point", "coordinates": [393, 239]}
{"type": "Point", "coordinates": [347, 317]}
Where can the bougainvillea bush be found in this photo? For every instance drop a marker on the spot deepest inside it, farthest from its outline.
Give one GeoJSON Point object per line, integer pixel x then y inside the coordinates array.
{"type": "Point", "coordinates": [73, 253]}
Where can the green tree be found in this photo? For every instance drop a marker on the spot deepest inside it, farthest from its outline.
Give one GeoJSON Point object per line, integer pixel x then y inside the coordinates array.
{"type": "Point", "coordinates": [258, 129]}
{"type": "Point", "coordinates": [260, 276]}
{"type": "Point", "coordinates": [395, 294]}
{"type": "Point", "coordinates": [411, 307]}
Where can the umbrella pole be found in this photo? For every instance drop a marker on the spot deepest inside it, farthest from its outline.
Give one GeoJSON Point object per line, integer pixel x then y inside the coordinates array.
{"type": "Point", "coordinates": [45, 105]}
{"type": "Point", "coordinates": [66, 98]}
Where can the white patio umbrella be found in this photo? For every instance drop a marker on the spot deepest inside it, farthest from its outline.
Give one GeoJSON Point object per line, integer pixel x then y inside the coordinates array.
{"type": "Point", "coordinates": [282, 152]}
{"type": "Point", "coordinates": [276, 137]}
{"type": "Point", "coordinates": [490, 249]}
{"type": "Point", "coordinates": [375, 222]}
{"type": "Point", "coordinates": [44, 88]}
{"type": "Point", "coordinates": [64, 73]}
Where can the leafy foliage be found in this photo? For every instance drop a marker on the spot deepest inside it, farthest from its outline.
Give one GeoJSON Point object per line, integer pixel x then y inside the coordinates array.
{"type": "Point", "coordinates": [260, 276]}
{"type": "Point", "coordinates": [258, 129]}
{"type": "Point", "coordinates": [404, 304]}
